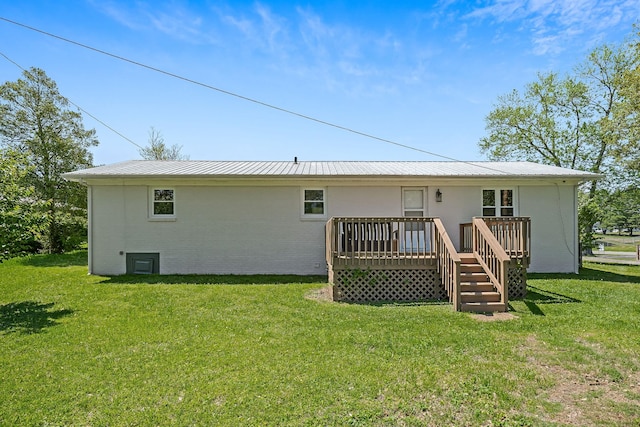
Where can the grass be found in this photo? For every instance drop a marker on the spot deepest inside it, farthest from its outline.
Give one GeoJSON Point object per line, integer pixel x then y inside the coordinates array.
{"type": "Point", "coordinates": [236, 350]}
{"type": "Point", "coordinates": [618, 243]}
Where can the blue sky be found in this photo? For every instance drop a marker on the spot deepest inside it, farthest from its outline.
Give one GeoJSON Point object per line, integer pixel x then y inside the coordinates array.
{"type": "Point", "coordinates": [421, 74]}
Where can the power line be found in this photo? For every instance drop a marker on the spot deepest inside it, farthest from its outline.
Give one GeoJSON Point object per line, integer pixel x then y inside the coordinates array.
{"type": "Point", "coordinates": [245, 98]}
{"type": "Point", "coordinates": [80, 108]}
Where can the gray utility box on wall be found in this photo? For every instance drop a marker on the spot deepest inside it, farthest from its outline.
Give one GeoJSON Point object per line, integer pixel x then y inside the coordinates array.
{"type": "Point", "coordinates": [143, 263]}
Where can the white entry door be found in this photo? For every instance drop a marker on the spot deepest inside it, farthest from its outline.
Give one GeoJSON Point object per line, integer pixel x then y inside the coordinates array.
{"type": "Point", "coordinates": [416, 238]}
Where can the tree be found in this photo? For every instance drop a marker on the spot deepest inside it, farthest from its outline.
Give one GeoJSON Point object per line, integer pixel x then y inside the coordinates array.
{"type": "Point", "coordinates": [571, 122]}
{"type": "Point", "coordinates": [581, 121]}
{"type": "Point", "coordinates": [35, 119]}
{"type": "Point", "coordinates": [20, 222]}
{"type": "Point", "coordinates": [623, 210]}
{"type": "Point", "coordinates": [630, 111]}
{"type": "Point", "coordinates": [158, 150]}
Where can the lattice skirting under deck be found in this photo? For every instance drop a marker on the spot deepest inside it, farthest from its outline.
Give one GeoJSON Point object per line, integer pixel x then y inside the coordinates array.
{"type": "Point", "coordinates": [373, 285]}
{"type": "Point", "coordinates": [517, 282]}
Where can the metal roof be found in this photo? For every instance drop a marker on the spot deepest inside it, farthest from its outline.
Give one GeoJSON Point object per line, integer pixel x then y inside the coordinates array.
{"type": "Point", "coordinates": [324, 169]}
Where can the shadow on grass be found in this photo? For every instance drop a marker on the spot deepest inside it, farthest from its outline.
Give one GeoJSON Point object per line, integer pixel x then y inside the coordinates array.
{"type": "Point", "coordinates": [589, 274]}
{"type": "Point", "coordinates": [29, 317]}
{"type": "Point", "coordinates": [399, 303]}
{"type": "Point", "coordinates": [542, 296]}
{"type": "Point", "coordinates": [69, 259]}
{"type": "Point", "coordinates": [536, 297]}
{"type": "Point", "coordinates": [209, 279]}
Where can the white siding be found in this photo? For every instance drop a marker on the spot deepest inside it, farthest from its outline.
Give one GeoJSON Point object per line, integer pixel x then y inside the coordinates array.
{"type": "Point", "coordinates": [553, 222]}
{"type": "Point", "coordinates": [365, 201]}
{"type": "Point", "coordinates": [552, 212]}
{"type": "Point", "coordinates": [259, 229]}
{"type": "Point", "coordinates": [107, 225]}
{"type": "Point", "coordinates": [458, 206]}
{"type": "Point", "coordinates": [243, 230]}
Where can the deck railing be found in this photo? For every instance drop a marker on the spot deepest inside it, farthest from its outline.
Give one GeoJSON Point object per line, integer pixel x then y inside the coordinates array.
{"type": "Point", "coordinates": [512, 233]}
{"type": "Point", "coordinates": [395, 241]}
{"type": "Point", "coordinates": [491, 256]}
{"type": "Point", "coordinates": [466, 237]}
{"type": "Point", "coordinates": [448, 264]}
{"type": "Point", "coordinates": [381, 241]}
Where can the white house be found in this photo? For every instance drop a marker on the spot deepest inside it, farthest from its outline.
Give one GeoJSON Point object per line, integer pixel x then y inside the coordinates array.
{"type": "Point", "coordinates": [242, 217]}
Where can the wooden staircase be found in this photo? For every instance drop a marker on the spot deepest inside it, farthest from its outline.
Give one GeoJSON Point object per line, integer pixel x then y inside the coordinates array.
{"type": "Point", "coordinates": [477, 293]}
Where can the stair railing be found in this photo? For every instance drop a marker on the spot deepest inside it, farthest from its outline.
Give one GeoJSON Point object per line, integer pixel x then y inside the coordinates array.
{"type": "Point", "coordinates": [466, 237]}
{"type": "Point", "coordinates": [513, 234]}
{"type": "Point", "coordinates": [492, 257]}
{"type": "Point", "coordinates": [448, 264]}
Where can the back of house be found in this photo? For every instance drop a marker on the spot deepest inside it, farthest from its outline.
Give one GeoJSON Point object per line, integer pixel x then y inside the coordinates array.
{"type": "Point", "coordinates": [226, 217]}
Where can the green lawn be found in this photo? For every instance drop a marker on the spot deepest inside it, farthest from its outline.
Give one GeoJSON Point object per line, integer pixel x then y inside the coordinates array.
{"type": "Point", "coordinates": [203, 350]}
{"type": "Point", "coordinates": [618, 243]}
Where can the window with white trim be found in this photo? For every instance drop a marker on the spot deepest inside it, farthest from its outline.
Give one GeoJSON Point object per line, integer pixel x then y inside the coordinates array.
{"type": "Point", "coordinates": [162, 203]}
{"type": "Point", "coordinates": [314, 203]}
{"type": "Point", "coordinates": [413, 203]}
{"type": "Point", "coordinates": [498, 202]}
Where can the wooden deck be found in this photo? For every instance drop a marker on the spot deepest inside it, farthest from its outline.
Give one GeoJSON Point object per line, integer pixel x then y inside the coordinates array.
{"type": "Point", "coordinates": [379, 241]}
{"type": "Point", "coordinates": [385, 258]}
{"type": "Point", "coordinates": [512, 233]}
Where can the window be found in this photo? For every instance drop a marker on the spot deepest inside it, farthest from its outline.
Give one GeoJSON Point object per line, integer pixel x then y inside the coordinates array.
{"type": "Point", "coordinates": [162, 203]}
{"type": "Point", "coordinates": [143, 263]}
{"type": "Point", "coordinates": [314, 203]}
{"type": "Point", "coordinates": [498, 202]}
{"type": "Point", "coordinates": [413, 202]}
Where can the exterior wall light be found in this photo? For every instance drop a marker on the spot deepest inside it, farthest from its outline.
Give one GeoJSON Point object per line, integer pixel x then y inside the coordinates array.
{"type": "Point", "coordinates": [438, 195]}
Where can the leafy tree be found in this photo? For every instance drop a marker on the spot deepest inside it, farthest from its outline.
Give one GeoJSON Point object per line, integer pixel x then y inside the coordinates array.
{"type": "Point", "coordinates": [623, 210]}
{"type": "Point", "coordinates": [158, 150]}
{"type": "Point", "coordinates": [630, 111]}
{"type": "Point", "coordinates": [573, 122]}
{"type": "Point", "coordinates": [35, 119]}
{"type": "Point", "coordinates": [20, 221]}
{"type": "Point", "coordinates": [590, 213]}
{"type": "Point", "coordinates": [581, 121]}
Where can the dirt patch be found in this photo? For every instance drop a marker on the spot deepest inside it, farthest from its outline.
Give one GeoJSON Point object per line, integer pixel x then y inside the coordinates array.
{"type": "Point", "coordinates": [493, 317]}
{"type": "Point", "coordinates": [323, 294]}
{"type": "Point", "coordinates": [586, 397]}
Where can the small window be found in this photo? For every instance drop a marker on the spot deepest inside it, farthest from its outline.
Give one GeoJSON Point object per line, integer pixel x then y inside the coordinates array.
{"type": "Point", "coordinates": [314, 203]}
{"type": "Point", "coordinates": [488, 203]}
{"type": "Point", "coordinates": [498, 202]}
{"type": "Point", "coordinates": [413, 202]}
{"type": "Point", "coordinates": [143, 263]}
{"type": "Point", "coordinates": [506, 202]}
{"type": "Point", "coordinates": [163, 203]}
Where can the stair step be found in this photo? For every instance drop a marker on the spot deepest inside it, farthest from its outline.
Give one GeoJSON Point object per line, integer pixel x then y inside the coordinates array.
{"type": "Point", "coordinates": [482, 296]}
{"type": "Point", "coordinates": [483, 307]}
{"type": "Point", "coordinates": [471, 268]}
{"type": "Point", "coordinates": [474, 277]}
{"type": "Point", "coordinates": [468, 258]}
{"type": "Point", "coordinates": [476, 287]}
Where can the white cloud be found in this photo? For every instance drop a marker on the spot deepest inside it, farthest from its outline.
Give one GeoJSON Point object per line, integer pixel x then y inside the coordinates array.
{"type": "Point", "coordinates": [555, 24]}
{"type": "Point", "coordinates": [501, 10]}
{"type": "Point", "coordinates": [298, 41]}
{"type": "Point", "coordinates": [273, 27]}
{"type": "Point", "coordinates": [178, 24]}
{"type": "Point", "coordinates": [171, 19]}
{"type": "Point", "coordinates": [119, 13]}
{"type": "Point", "coordinates": [461, 35]}
{"type": "Point", "coordinates": [244, 25]}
